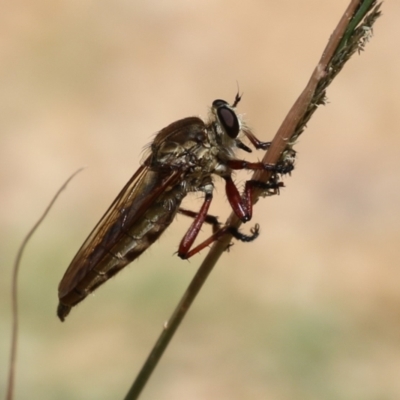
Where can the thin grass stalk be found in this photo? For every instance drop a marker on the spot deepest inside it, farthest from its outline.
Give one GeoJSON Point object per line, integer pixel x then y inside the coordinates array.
{"type": "Point", "coordinates": [350, 35]}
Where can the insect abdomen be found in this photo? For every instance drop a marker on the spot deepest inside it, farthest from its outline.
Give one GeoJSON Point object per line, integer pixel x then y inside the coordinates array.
{"type": "Point", "coordinates": [134, 241]}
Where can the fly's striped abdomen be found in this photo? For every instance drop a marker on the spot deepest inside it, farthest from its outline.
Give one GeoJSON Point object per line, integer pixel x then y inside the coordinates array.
{"type": "Point", "coordinates": [128, 235]}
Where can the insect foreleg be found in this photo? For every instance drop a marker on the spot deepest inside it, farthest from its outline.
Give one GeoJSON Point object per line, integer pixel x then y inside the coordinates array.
{"type": "Point", "coordinates": [257, 143]}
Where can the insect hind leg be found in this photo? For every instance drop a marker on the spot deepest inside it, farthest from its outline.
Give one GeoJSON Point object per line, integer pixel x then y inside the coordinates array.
{"type": "Point", "coordinates": [209, 219]}
{"type": "Point", "coordinates": [219, 234]}
{"type": "Point", "coordinates": [255, 231]}
{"type": "Point", "coordinates": [216, 225]}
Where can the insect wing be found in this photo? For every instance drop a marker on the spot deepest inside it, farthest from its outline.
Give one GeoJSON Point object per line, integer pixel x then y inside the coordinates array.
{"type": "Point", "coordinates": [136, 197]}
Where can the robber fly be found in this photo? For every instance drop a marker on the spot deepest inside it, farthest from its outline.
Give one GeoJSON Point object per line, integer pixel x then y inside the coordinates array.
{"type": "Point", "coordinates": [183, 158]}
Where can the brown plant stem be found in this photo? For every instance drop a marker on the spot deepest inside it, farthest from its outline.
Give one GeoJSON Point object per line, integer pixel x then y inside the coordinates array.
{"type": "Point", "coordinates": [335, 55]}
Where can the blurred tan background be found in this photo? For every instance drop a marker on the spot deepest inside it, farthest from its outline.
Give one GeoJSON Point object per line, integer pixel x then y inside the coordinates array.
{"type": "Point", "coordinates": [311, 310]}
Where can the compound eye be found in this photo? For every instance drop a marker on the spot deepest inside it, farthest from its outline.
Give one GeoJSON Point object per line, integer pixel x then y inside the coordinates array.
{"type": "Point", "coordinates": [228, 120]}
{"type": "Point", "coordinates": [219, 103]}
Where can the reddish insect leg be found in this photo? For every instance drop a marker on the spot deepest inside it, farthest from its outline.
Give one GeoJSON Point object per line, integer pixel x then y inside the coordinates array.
{"type": "Point", "coordinates": [242, 164]}
{"type": "Point", "coordinates": [217, 232]}
{"type": "Point", "coordinates": [193, 231]}
{"type": "Point", "coordinates": [239, 206]}
{"type": "Point", "coordinates": [209, 219]}
{"type": "Point", "coordinates": [215, 236]}
{"type": "Point", "coordinates": [242, 205]}
{"type": "Point", "coordinates": [223, 231]}
{"type": "Point", "coordinates": [257, 143]}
